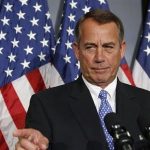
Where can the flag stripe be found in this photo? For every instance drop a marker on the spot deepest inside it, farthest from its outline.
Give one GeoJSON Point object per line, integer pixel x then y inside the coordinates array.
{"type": "Point", "coordinates": [122, 77]}
{"type": "Point", "coordinates": [36, 80]}
{"type": "Point", "coordinates": [24, 90]}
{"type": "Point", "coordinates": [127, 72]}
{"type": "Point", "coordinates": [141, 78]}
{"type": "Point", "coordinates": [50, 75]}
{"type": "Point", "coordinates": [2, 142]}
{"type": "Point", "coordinates": [14, 105]}
{"type": "Point", "coordinates": [6, 123]}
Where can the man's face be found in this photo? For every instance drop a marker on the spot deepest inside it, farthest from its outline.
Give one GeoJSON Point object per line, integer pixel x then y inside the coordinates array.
{"type": "Point", "coordinates": [99, 52]}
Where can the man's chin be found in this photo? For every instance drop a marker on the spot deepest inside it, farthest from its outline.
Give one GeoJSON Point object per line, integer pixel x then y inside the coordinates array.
{"type": "Point", "coordinates": [99, 81]}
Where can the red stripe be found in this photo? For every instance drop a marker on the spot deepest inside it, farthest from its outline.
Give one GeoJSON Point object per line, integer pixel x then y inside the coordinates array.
{"type": "Point", "coordinates": [14, 105]}
{"type": "Point", "coordinates": [36, 80]}
{"type": "Point", "coordinates": [128, 73]}
{"type": "Point", "coordinates": [3, 144]}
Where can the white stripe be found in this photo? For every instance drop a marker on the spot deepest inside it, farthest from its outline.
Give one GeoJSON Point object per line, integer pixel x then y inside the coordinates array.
{"type": "Point", "coordinates": [7, 125]}
{"type": "Point", "coordinates": [24, 90]}
{"type": "Point", "coordinates": [122, 76]}
{"type": "Point", "coordinates": [50, 76]}
{"type": "Point", "coordinates": [140, 77]}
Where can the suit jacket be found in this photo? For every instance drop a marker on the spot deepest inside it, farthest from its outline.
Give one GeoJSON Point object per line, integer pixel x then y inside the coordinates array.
{"type": "Point", "coordinates": [67, 115]}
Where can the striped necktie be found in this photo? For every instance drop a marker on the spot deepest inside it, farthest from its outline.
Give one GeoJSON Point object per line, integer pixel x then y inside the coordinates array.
{"type": "Point", "coordinates": [104, 109]}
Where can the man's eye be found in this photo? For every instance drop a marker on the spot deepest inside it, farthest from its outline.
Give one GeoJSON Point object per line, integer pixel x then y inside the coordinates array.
{"type": "Point", "coordinates": [90, 47]}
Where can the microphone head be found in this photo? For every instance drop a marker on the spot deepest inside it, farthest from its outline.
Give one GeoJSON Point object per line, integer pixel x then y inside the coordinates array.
{"type": "Point", "coordinates": [142, 144]}
{"type": "Point", "coordinates": [111, 121]}
{"type": "Point", "coordinates": [122, 138]}
{"type": "Point", "coordinates": [93, 145]}
{"type": "Point", "coordinates": [144, 124]}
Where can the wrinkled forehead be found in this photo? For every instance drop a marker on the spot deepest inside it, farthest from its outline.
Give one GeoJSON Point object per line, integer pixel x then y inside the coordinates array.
{"type": "Point", "coordinates": [91, 29]}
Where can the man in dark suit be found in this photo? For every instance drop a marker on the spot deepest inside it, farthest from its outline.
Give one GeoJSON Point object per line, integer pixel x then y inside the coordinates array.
{"type": "Point", "coordinates": [68, 115]}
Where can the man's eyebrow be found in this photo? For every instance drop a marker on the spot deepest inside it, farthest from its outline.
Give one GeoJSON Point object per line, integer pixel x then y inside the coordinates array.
{"type": "Point", "coordinates": [109, 43]}
{"type": "Point", "coordinates": [89, 43]}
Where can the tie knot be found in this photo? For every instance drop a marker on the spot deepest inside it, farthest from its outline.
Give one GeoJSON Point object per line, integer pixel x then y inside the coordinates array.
{"type": "Point", "coordinates": [103, 94]}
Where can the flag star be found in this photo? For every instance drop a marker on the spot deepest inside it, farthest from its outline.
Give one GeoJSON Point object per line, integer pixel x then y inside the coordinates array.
{"type": "Point", "coordinates": [15, 43]}
{"type": "Point", "coordinates": [71, 17]}
{"type": "Point", "coordinates": [60, 28]}
{"type": "Point", "coordinates": [5, 21]}
{"type": "Point", "coordinates": [31, 35]}
{"type": "Point", "coordinates": [102, 1]}
{"type": "Point", "coordinates": [78, 65]}
{"type": "Point", "coordinates": [47, 28]}
{"type": "Point", "coordinates": [70, 31]}
{"type": "Point", "coordinates": [34, 21]}
{"type": "Point", "coordinates": [2, 35]}
{"type": "Point", "coordinates": [68, 44]}
{"type": "Point", "coordinates": [48, 15]}
{"type": "Point", "coordinates": [44, 42]}
{"type": "Point", "coordinates": [53, 49]}
{"type": "Point", "coordinates": [8, 72]}
{"type": "Point", "coordinates": [1, 48]}
{"type": "Point", "coordinates": [42, 56]}
{"type": "Point", "coordinates": [58, 41]}
{"type": "Point", "coordinates": [67, 59]}
{"type": "Point", "coordinates": [147, 50]}
{"type": "Point", "coordinates": [23, 2]}
{"type": "Point", "coordinates": [28, 50]}
{"type": "Point", "coordinates": [37, 7]}
{"type": "Point", "coordinates": [73, 4]}
{"type": "Point", "coordinates": [148, 24]}
{"type": "Point", "coordinates": [148, 37]}
{"type": "Point", "coordinates": [12, 57]}
{"type": "Point", "coordinates": [25, 64]}
{"type": "Point", "coordinates": [76, 77]}
{"type": "Point", "coordinates": [21, 15]}
{"type": "Point", "coordinates": [18, 29]}
{"type": "Point", "coordinates": [8, 7]}
{"type": "Point", "coordinates": [86, 9]}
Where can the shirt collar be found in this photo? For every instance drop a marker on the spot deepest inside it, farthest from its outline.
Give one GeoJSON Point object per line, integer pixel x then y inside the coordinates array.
{"type": "Point", "coordinates": [94, 89]}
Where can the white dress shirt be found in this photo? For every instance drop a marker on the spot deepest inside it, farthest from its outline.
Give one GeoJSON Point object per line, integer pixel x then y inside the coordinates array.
{"type": "Point", "coordinates": [95, 90]}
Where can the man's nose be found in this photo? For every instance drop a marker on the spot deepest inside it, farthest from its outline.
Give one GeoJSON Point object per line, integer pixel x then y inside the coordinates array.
{"type": "Point", "coordinates": [99, 55]}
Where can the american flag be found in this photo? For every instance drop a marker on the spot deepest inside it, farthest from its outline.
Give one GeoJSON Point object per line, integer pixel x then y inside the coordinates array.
{"type": "Point", "coordinates": [141, 69]}
{"type": "Point", "coordinates": [26, 52]}
{"type": "Point", "coordinates": [65, 62]}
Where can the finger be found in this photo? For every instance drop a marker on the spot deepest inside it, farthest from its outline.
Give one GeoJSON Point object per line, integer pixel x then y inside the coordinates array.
{"type": "Point", "coordinates": [25, 144]}
{"type": "Point", "coordinates": [23, 132]}
{"type": "Point", "coordinates": [18, 146]}
{"type": "Point", "coordinates": [39, 139]}
{"type": "Point", "coordinates": [44, 143]}
{"type": "Point", "coordinates": [33, 136]}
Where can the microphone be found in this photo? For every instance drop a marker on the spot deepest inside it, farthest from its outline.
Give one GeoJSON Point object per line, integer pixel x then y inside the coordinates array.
{"type": "Point", "coordinates": [94, 145]}
{"type": "Point", "coordinates": [144, 125]}
{"type": "Point", "coordinates": [122, 138]}
{"type": "Point", "coordinates": [142, 144]}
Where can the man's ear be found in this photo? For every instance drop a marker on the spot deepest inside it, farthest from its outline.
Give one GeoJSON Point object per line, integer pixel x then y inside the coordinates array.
{"type": "Point", "coordinates": [123, 48]}
{"type": "Point", "coordinates": [75, 47]}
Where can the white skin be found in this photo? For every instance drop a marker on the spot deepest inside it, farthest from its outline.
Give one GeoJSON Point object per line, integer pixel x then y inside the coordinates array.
{"type": "Point", "coordinates": [99, 52]}
{"type": "Point", "coordinates": [30, 139]}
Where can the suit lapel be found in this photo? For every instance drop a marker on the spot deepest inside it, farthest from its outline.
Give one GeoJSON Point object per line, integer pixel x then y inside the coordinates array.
{"type": "Point", "coordinates": [127, 108]}
{"type": "Point", "coordinates": [85, 112]}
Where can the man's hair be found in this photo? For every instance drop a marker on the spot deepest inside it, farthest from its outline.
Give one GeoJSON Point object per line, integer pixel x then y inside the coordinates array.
{"type": "Point", "coordinates": [101, 17]}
